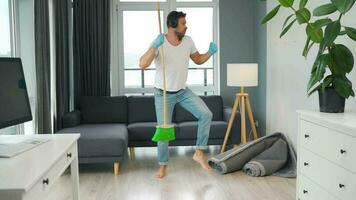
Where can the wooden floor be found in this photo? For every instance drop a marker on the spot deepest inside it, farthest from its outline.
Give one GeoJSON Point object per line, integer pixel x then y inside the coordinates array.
{"type": "Point", "coordinates": [186, 180]}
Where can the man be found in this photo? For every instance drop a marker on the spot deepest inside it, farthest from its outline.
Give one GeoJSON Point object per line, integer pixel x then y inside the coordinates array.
{"type": "Point", "coordinates": [178, 48]}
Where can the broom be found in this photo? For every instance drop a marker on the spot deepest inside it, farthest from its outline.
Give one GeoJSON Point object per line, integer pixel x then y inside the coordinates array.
{"type": "Point", "coordinates": [164, 132]}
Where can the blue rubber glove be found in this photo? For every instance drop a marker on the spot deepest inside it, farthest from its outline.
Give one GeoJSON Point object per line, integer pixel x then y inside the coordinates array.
{"type": "Point", "coordinates": [158, 41]}
{"type": "Point", "coordinates": [213, 48]}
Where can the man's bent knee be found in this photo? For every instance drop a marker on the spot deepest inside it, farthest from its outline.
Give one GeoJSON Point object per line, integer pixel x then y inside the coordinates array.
{"type": "Point", "coordinates": [207, 115]}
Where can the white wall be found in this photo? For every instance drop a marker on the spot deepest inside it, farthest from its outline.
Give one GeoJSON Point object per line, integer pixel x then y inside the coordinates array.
{"type": "Point", "coordinates": [288, 71]}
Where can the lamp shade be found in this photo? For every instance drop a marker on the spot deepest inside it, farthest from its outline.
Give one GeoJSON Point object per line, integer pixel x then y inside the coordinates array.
{"type": "Point", "coordinates": [242, 74]}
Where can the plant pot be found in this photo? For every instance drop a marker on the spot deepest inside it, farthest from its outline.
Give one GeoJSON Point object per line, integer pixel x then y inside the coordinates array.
{"type": "Point", "coordinates": [330, 101]}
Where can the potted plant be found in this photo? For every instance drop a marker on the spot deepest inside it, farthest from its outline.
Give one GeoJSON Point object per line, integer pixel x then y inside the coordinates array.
{"type": "Point", "coordinates": [337, 59]}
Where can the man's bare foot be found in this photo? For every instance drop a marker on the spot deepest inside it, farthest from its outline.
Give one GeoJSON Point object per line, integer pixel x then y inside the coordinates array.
{"type": "Point", "coordinates": [199, 158]}
{"type": "Point", "coordinates": [161, 171]}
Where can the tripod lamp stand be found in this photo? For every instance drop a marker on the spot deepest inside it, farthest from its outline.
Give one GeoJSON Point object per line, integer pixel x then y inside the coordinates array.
{"type": "Point", "coordinates": [243, 75]}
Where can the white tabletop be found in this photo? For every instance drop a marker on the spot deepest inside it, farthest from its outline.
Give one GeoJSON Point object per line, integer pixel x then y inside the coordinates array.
{"type": "Point", "coordinates": [345, 122]}
{"type": "Point", "coordinates": [22, 171]}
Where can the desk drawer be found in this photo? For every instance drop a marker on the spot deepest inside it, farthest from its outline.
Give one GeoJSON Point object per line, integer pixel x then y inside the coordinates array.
{"type": "Point", "coordinates": [40, 189]}
{"type": "Point", "coordinates": [331, 177]}
{"type": "Point", "coordinates": [328, 143]}
{"type": "Point", "coordinates": [307, 190]}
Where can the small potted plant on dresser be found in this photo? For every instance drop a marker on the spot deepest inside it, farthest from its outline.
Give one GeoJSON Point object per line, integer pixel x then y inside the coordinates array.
{"type": "Point", "coordinates": [333, 61]}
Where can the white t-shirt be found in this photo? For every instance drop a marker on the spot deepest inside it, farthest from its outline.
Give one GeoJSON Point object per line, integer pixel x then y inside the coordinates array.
{"type": "Point", "coordinates": [176, 60]}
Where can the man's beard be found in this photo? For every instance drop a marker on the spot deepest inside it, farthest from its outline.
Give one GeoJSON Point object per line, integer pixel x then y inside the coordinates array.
{"type": "Point", "coordinates": [180, 35]}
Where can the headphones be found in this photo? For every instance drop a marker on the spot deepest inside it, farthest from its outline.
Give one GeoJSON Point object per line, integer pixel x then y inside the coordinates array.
{"type": "Point", "coordinates": [172, 23]}
{"type": "Point", "coordinates": [172, 18]}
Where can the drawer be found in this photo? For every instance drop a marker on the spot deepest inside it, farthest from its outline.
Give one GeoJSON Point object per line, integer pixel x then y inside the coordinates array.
{"type": "Point", "coordinates": [40, 189]}
{"type": "Point", "coordinates": [338, 181]}
{"type": "Point", "coordinates": [330, 144]}
{"type": "Point", "coordinates": [308, 190]}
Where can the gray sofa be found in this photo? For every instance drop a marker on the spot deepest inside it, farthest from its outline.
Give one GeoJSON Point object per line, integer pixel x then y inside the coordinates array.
{"type": "Point", "coordinates": [109, 125]}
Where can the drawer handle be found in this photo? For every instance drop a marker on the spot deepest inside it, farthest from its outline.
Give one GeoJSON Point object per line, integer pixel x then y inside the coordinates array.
{"type": "Point", "coordinates": [341, 186]}
{"type": "Point", "coordinates": [342, 151]}
{"type": "Point", "coordinates": [305, 191]}
{"type": "Point", "coordinates": [45, 181]}
{"type": "Point", "coordinates": [306, 136]}
{"type": "Point", "coordinates": [69, 155]}
{"type": "Point", "coordinates": [306, 164]}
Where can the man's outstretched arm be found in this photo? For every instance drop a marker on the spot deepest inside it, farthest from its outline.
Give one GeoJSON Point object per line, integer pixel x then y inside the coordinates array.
{"type": "Point", "coordinates": [202, 58]}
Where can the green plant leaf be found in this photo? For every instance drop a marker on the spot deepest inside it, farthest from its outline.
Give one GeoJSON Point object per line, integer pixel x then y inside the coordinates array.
{"type": "Point", "coordinates": [307, 47]}
{"type": "Point", "coordinates": [343, 5]}
{"type": "Point", "coordinates": [316, 35]}
{"type": "Point", "coordinates": [322, 22]}
{"type": "Point", "coordinates": [322, 47]}
{"type": "Point", "coordinates": [321, 64]}
{"type": "Point", "coordinates": [312, 82]}
{"type": "Point", "coordinates": [286, 3]}
{"type": "Point", "coordinates": [324, 9]}
{"type": "Point", "coordinates": [318, 70]}
{"type": "Point", "coordinates": [343, 86]}
{"type": "Point", "coordinates": [286, 21]}
{"type": "Point", "coordinates": [351, 32]}
{"type": "Point", "coordinates": [342, 58]}
{"type": "Point", "coordinates": [302, 3]}
{"type": "Point", "coordinates": [342, 33]}
{"type": "Point", "coordinates": [314, 90]}
{"type": "Point", "coordinates": [303, 15]}
{"type": "Point", "coordinates": [287, 28]}
{"type": "Point", "coordinates": [305, 50]}
{"type": "Point", "coordinates": [326, 82]}
{"type": "Point", "coordinates": [332, 30]}
{"type": "Point", "coordinates": [271, 14]}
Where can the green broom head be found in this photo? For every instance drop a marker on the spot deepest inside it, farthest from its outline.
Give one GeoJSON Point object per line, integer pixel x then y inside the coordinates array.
{"type": "Point", "coordinates": [164, 133]}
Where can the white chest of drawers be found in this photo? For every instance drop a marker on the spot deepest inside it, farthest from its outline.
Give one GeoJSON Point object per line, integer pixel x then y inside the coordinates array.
{"type": "Point", "coordinates": [30, 175]}
{"type": "Point", "coordinates": [326, 156]}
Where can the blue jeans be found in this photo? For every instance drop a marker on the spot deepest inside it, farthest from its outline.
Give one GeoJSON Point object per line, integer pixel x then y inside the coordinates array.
{"type": "Point", "coordinates": [192, 103]}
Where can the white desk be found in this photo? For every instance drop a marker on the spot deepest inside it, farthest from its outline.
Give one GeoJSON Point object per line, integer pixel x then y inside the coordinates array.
{"type": "Point", "coordinates": [31, 174]}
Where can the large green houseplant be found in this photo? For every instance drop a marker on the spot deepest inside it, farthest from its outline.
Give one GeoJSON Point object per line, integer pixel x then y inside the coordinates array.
{"type": "Point", "coordinates": [335, 58]}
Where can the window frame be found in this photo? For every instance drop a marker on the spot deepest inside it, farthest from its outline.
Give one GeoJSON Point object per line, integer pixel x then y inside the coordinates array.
{"type": "Point", "coordinates": [117, 58]}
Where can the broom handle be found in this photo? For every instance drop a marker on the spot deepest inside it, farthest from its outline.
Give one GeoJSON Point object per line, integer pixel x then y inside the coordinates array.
{"type": "Point", "coordinates": [163, 71]}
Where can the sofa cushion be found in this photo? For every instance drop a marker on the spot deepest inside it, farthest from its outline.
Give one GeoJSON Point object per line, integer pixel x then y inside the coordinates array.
{"type": "Point", "coordinates": [143, 131]}
{"type": "Point", "coordinates": [214, 103]}
{"type": "Point", "coordinates": [189, 130]}
{"type": "Point", "coordinates": [98, 140]}
{"type": "Point", "coordinates": [103, 109]}
{"type": "Point", "coordinates": [141, 109]}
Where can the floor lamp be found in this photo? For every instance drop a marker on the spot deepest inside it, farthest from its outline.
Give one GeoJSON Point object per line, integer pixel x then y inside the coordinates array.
{"type": "Point", "coordinates": [243, 75]}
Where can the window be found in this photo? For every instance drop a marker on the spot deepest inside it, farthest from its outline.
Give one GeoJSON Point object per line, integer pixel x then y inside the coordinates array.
{"type": "Point", "coordinates": [25, 36]}
{"type": "Point", "coordinates": [198, 74]}
{"type": "Point", "coordinates": [5, 33]}
{"type": "Point", "coordinates": [135, 44]}
{"type": "Point", "coordinates": [137, 26]}
{"type": "Point", "coordinates": [5, 46]}
{"type": "Point", "coordinates": [194, 0]}
{"type": "Point", "coordinates": [142, 0]}
{"type": "Point", "coordinates": [13, 15]}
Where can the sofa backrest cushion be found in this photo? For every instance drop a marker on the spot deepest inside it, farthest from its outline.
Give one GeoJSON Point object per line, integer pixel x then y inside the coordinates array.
{"type": "Point", "coordinates": [141, 109]}
{"type": "Point", "coordinates": [214, 103]}
{"type": "Point", "coordinates": [103, 109]}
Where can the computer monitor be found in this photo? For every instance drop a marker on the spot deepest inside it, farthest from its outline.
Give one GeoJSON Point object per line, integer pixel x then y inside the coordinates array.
{"type": "Point", "coordinates": [14, 103]}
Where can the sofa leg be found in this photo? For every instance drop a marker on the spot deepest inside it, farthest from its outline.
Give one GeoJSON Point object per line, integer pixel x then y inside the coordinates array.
{"type": "Point", "coordinates": [116, 168]}
{"type": "Point", "coordinates": [132, 153]}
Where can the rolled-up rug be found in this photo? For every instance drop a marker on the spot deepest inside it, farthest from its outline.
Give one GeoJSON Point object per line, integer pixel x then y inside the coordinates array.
{"type": "Point", "coordinates": [269, 161]}
{"type": "Point", "coordinates": [236, 158]}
